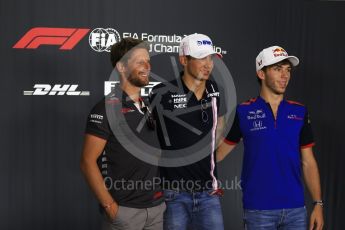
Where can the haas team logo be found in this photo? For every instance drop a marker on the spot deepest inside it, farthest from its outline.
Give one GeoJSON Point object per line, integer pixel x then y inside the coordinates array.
{"type": "Point", "coordinates": [66, 38]}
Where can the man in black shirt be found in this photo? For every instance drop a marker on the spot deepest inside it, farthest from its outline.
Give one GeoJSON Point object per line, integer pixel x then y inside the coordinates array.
{"type": "Point", "coordinates": [188, 112]}
{"type": "Point", "coordinates": [123, 184]}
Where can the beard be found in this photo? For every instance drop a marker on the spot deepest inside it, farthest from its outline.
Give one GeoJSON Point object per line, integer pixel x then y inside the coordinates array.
{"type": "Point", "coordinates": [137, 81]}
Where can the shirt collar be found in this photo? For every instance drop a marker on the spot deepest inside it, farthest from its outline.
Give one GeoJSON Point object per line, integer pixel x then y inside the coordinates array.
{"type": "Point", "coordinates": [125, 99]}
{"type": "Point", "coordinates": [206, 91]}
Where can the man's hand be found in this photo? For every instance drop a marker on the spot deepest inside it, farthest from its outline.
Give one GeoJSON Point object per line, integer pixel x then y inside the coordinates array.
{"type": "Point", "coordinates": [112, 210]}
{"type": "Point", "coordinates": [316, 218]}
{"type": "Point", "coordinates": [93, 148]}
{"type": "Point", "coordinates": [312, 179]}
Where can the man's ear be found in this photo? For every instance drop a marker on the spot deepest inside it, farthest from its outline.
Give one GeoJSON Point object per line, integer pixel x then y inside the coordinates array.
{"type": "Point", "coordinates": [183, 60]}
{"type": "Point", "coordinates": [120, 67]}
{"type": "Point", "coordinates": [261, 74]}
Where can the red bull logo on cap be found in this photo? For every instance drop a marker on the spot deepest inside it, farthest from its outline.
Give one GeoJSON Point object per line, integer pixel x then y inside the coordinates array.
{"type": "Point", "coordinates": [279, 52]}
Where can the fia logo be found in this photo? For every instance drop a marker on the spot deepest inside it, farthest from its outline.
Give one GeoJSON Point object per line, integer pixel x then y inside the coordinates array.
{"type": "Point", "coordinates": [101, 39]}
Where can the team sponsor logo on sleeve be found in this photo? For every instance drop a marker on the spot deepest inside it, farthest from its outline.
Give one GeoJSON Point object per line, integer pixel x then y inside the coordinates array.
{"type": "Point", "coordinates": [96, 118]}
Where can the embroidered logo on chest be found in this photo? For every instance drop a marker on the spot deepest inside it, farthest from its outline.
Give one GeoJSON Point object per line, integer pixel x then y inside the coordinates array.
{"type": "Point", "coordinates": [294, 117]}
{"type": "Point", "coordinates": [256, 114]}
{"type": "Point", "coordinates": [216, 94]}
{"type": "Point", "coordinates": [258, 125]}
{"type": "Point", "coordinates": [127, 110]}
{"type": "Point", "coordinates": [179, 101]}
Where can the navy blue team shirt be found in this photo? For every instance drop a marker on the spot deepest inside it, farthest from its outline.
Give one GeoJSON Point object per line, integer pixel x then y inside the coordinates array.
{"type": "Point", "coordinates": [271, 172]}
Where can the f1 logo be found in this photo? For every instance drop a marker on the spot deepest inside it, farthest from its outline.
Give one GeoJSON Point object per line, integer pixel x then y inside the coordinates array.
{"type": "Point", "coordinates": [67, 38]}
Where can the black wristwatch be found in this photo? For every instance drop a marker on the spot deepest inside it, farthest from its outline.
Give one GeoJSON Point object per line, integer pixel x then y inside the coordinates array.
{"type": "Point", "coordinates": [318, 202]}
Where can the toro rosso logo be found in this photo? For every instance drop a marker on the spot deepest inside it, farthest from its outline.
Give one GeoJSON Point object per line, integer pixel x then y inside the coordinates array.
{"type": "Point", "coordinates": [279, 52]}
{"type": "Point", "coordinates": [66, 38]}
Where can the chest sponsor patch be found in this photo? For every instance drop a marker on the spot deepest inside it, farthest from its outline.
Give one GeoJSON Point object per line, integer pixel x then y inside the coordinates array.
{"type": "Point", "coordinates": [294, 117]}
{"type": "Point", "coordinates": [256, 114]}
{"type": "Point", "coordinates": [179, 101]}
{"type": "Point", "coordinates": [258, 125]}
{"type": "Point", "coordinates": [127, 110]}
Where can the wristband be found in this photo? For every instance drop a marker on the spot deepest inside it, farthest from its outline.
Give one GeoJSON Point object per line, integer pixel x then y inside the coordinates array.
{"type": "Point", "coordinates": [318, 202]}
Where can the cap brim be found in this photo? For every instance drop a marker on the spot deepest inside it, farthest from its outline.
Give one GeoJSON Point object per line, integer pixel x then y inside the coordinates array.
{"type": "Point", "coordinates": [294, 61]}
{"type": "Point", "coordinates": [204, 54]}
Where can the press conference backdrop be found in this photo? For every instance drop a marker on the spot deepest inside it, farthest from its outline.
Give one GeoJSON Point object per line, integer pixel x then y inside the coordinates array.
{"type": "Point", "coordinates": [42, 131]}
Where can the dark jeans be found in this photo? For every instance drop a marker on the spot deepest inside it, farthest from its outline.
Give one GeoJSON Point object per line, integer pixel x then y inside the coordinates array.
{"type": "Point", "coordinates": [282, 219]}
{"type": "Point", "coordinates": [197, 211]}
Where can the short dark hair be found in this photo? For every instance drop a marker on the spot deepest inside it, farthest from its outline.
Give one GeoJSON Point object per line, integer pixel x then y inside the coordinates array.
{"type": "Point", "coordinates": [190, 57]}
{"type": "Point", "coordinates": [283, 62]}
{"type": "Point", "coordinates": [121, 50]}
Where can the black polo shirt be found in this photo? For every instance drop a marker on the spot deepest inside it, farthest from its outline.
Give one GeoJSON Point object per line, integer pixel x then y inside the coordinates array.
{"type": "Point", "coordinates": [127, 177]}
{"type": "Point", "coordinates": [186, 125]}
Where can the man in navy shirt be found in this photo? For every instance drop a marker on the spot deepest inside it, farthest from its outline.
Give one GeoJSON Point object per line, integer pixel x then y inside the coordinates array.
{"type": "Point", "coordinates": [278, 142]}
{"type": "Point", "coordinates": [188, 114]}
